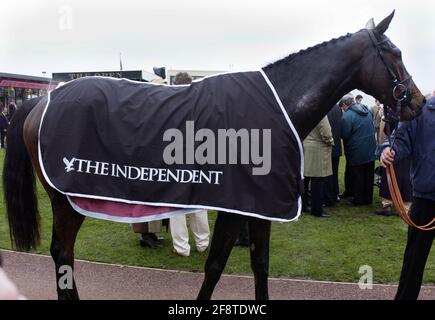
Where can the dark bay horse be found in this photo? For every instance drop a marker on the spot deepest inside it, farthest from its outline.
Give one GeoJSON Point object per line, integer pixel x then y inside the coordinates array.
{"type": "Point", "coordinates": [309, 83]}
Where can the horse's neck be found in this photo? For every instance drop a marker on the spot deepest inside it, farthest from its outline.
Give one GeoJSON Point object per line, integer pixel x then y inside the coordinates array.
{"type": "Point", "coordinates": [312, 82]}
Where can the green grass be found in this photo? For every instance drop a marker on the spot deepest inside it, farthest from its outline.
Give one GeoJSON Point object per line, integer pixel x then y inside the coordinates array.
{"type": "Point", "coordinates": [311, 248]}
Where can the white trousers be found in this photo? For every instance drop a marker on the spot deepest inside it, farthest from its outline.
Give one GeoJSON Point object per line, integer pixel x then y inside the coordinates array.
{"type": "Point", "coordinates": [180, 235]}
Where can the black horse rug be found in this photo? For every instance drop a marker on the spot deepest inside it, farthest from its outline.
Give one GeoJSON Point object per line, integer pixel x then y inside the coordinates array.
{"type": "Point", "coordinates": [131, 151]}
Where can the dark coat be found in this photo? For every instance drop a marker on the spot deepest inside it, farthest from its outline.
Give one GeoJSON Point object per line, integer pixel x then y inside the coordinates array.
{"type": "Point", "coordinates": [11, 112]}
{"type": "Point", "coordinates": [358, 135]}
{"type": "Point", "coordinates": [416, 139]}
{"type": "Point", "coordinates": [4, 123]}
{"type": "Point", "coordinates": [334, 117]}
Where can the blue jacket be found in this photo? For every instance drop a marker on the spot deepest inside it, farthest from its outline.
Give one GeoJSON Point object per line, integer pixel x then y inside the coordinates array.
{"type": "Point", "coordinates": [358, 135]}
{"type": "Point", "coordinates": [416, 138]}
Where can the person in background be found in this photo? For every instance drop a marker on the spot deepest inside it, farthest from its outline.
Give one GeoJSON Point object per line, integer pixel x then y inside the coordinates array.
{"type": "Point", "coordinates": [198, 221]}
{"type": "Point", "coordinates": [148, 234]}
{"type": "Point", "coordinates": [358, 99]}
{"type": "Point", "coordinates": [348, 181]}
{"type": "Point", "coordinates": [403, 174]}
{"type": "Point", "coordinates": [377, 113]}
{"type": "Point", "coordinates": [358, 134]}
{"type": "Point", "coordinates": [415, 139]}
{"type": "Point", "coordinates": [348, 184]}
{"type": "Point", "coordinates": [11, 110]}
{"type": "Point", "coordinates": [331, 184]}
{"type": "Point", "coordinates": [317, 165]}
{"type": "Point", "coordinates": [4, 124]}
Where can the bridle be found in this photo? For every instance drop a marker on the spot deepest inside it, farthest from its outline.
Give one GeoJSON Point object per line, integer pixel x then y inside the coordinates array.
{"type": "Point", "coordinates": [401, 88]}
{"type": "Point", "coordinates": [403, 97]}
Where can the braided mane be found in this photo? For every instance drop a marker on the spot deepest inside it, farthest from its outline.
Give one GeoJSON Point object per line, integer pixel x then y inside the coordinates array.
{"type": "Point", "coordinates": [292, 56]}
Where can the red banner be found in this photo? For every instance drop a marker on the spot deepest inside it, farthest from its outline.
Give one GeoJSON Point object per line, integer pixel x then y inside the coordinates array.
{"type": "Point", "coordinates": [26, 85]}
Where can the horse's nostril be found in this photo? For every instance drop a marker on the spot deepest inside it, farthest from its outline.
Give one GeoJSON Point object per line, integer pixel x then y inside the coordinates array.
{"type": "Point", "coordinates": [424, 101]}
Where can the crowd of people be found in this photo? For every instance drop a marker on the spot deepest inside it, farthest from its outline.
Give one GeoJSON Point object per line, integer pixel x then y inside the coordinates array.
{"type": "Point", "coordinates": [364, 134]}
{"type": "Point", "coordinates": [361, 131]}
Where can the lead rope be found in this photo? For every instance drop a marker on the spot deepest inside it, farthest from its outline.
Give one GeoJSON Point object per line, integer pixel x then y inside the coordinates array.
{"type": "Point", "coordinates": [396, 197]}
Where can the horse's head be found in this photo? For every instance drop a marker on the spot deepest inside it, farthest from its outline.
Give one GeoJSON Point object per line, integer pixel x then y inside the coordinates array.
{"type": "Point", "coordinates": [383, 73]}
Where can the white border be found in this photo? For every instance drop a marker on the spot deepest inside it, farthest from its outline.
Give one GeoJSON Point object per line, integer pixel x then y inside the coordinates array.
{"type": "Point", "coordinates": [162, 204]}
{"type": "Point", "coordinates": [295, 133]}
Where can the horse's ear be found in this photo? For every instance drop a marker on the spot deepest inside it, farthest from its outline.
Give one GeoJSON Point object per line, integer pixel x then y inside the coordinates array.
{"type": "Point", "coordinates": [370, 25]}
{"type": "Point", "coordinates": [383, 25]}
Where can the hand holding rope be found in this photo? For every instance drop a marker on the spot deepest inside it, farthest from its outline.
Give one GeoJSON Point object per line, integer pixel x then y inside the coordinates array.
{"type": "Point", "coordinates": [396, 196]}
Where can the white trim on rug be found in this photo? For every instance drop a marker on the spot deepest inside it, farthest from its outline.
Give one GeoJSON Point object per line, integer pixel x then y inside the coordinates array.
{"type": "Point", "coordinates": [295, 133]}
{"type": "Point", "coordinates": [175, 205]}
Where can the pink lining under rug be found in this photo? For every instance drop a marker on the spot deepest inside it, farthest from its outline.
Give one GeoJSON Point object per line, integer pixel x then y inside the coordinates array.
{"type": "Point", "coordinates": [123, 212]}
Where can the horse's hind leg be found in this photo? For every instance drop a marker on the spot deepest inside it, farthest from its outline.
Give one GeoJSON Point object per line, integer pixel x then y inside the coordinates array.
{"type": "Point", "coordinates": [66, 224]}
{"type": "Point", "coordinates": [259, 235]}
{"type": "Point", "coordinates": [226, 229]}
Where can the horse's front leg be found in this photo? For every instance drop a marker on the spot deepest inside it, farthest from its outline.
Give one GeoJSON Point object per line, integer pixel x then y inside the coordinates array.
{"type": "Point", "coordinates": [259, 236]}
{"type": "Point", "coordinates": [226, 230]}
{"type": "Point", "coordinates": [66, 224]}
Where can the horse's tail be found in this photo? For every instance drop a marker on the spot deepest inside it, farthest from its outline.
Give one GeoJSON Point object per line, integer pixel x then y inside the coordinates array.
{"type": "Point", "coordinates": [19, 184]}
